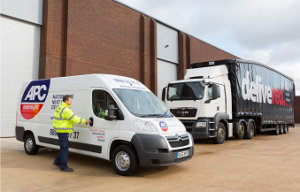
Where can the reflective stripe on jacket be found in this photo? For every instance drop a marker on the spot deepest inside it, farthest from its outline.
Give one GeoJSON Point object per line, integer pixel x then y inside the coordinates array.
{"type": "Point", "coordinates": [64, 118]}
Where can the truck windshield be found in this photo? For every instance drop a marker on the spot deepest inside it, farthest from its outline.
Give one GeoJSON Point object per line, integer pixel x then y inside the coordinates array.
{"type": "Point", "coordinates": [142, 103]}
{"type": "Point", "coordinates": [185, 91]}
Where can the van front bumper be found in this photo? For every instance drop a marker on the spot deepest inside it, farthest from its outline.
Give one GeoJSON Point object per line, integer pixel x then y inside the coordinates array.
{"type": "Point", "coordinates": [153, 150]}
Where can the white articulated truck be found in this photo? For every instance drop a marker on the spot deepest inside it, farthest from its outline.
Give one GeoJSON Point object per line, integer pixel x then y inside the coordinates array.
{"type": "Point", "coordinates": [136, 130]}
{"type": "Point", "coordinates": [224, 98]}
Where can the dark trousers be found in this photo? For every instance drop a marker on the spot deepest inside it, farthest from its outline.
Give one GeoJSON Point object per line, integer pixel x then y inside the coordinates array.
{"type": "Point", "coordinates": [62, 156]}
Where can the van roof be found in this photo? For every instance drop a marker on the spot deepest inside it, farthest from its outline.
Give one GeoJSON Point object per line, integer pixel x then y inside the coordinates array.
{"type": "Point", "coordinates": [95, 81]}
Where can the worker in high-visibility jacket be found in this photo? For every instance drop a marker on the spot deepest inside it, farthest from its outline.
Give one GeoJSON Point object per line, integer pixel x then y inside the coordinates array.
{"type": "Point", "coordinates": [63, 124]}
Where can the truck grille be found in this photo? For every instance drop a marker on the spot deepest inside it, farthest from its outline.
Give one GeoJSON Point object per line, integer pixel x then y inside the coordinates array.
{"type": "Point", "coordinates": [178, 140]}
{"type": "Point", "coordinates": [184, 112]}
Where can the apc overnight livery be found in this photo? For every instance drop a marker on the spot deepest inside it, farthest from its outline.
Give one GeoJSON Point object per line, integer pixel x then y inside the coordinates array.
{"type": "Point", "coordinates": [136, 130]}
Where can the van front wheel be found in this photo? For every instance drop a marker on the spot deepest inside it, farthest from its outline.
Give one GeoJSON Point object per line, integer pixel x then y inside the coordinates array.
{"type": "Point", "coordinates": [124, 160]}
{"type": "Point", "coordinates": [31, 148]}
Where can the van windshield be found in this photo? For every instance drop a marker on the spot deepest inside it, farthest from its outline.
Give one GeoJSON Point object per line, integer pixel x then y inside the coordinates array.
{"type": "Point", "coordinates": [185, 91]}
{"type": "Point", "coordinates": [142, 103]}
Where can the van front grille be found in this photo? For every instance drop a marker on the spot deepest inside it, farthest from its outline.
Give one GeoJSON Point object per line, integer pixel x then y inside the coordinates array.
{"type": "Point", "coordinates": [178, 140]}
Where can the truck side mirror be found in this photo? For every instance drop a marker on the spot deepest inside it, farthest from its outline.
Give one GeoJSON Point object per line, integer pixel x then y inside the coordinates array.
{"type": "Point", "coordinates": [163, 95]}
{"type": "Point", "coordinates": [215, 91]}
{"type": "Point", "coordinates": [111, 113]}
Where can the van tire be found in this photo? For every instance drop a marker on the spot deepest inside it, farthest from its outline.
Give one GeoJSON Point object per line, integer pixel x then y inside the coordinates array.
{"type": "Point", "coordinates": [221, 134]}
{"type": "Point", "coordinates": [31, 148]}
{"type": "Point", "coordinates": [124, 160]}
{"type": "Point", "coordinates": [250, 130]}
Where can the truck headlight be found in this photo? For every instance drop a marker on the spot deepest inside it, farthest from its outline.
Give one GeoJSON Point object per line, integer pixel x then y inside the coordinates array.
{"type": "Point", "coordinates": [145, 125]}
{"type": "Point", "coordinates": [201, 124]}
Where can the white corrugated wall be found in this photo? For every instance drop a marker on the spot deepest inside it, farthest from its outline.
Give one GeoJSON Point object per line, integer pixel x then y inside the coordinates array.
{"type": "Point", "coordinates": [20, 49]}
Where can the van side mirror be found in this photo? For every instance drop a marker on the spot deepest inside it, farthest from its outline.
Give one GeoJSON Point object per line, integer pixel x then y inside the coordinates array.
{"type": "Point", "coordinates": [111, 112]}
{"type": "Point", "coordinates": [163, 95]}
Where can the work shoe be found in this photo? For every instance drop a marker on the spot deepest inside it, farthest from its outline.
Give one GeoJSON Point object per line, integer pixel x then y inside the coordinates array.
{"type": "Point", "coordinates": [55, 164]}
{"type": "Point", "coordinates": [68, 169]}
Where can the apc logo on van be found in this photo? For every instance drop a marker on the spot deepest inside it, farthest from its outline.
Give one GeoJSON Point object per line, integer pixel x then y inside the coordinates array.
{"type": "Point", "coordinates": [34, 97]}
{"type": "Point", "coordinates": [163, 126]}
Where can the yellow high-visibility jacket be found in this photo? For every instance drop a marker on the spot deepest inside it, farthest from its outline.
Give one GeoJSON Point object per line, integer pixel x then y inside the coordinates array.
{"type": "Point", "coordinates": [64, 118]}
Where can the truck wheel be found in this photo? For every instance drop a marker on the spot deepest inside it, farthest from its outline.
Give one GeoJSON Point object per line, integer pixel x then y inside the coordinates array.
{"type": "Point", "coordinates": [124, 160]}
{"type": "Point", "coordinates": [241, 130]}
{"type": "Point", "coordinates": [31, 148]}
{"type": "Point", "coordinates": [221, 134]}
{"type": "Point", "coordinates": [276, 132]}
{"type": "Point", "coordinates": [281, 129]}
{"type": "Point", "coordinates": [285, 129]}
{"type": "Point", "coordinates": [251, 129]}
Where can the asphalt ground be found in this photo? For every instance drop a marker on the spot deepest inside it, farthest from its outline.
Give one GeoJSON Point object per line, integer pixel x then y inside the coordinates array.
{"type": "Point", "coordinates": [266, 163]}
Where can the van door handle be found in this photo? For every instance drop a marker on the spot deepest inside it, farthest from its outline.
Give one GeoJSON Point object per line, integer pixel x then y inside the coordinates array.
{"type": "Point", "coordinates": [92, 121]}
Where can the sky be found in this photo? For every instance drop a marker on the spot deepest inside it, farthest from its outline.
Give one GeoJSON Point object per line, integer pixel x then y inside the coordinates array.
{"type": "Point", "coordinates": [264, 31]}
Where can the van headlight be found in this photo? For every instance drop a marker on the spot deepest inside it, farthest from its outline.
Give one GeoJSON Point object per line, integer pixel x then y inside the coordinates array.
{"type": "Point", "coordinates": [201, 124]}
{"type": "Point", "coordinates": [145, 125]}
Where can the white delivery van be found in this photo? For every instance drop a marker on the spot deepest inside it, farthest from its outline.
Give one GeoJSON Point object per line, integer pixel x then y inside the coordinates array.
{"type": "Point", "coordinates": [135, 130]}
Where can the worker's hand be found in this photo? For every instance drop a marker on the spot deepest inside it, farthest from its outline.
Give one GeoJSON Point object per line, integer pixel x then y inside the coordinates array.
{"type": "Point", "coordinates": [87, 121]}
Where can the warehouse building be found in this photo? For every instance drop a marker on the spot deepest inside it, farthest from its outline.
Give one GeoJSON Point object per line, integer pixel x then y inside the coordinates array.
{"type": "Point", "coordinates": [53, 38]}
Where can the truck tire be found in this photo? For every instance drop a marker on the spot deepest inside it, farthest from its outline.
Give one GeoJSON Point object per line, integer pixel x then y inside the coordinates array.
{"type": "Point", "coordinates": [251, 130]}
{"type": "Point", "coordinates": [281, 129]}
{"type": "Point", "coordinates": [276, 131]}
{"type": "Point", "coordinates": [285, 129]}
{"type": "Point", "coordinates": [124, 160]}
{"type": "Point", "coordinates": [241, 126]}
{"type": "Point", "coordinates": [31, 148]}
{"type": "Point", "coordinates": [221, 134]}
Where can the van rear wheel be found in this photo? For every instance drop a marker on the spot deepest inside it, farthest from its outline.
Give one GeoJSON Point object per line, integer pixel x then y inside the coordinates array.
{"type": "Point", "coordinates": [31, 148]}
{"type": "Point", "coordinates": [124, 160]}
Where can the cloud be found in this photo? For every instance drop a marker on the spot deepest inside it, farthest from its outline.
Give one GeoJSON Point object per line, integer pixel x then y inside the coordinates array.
{"type": "Point", "coordinates": [265, 31]}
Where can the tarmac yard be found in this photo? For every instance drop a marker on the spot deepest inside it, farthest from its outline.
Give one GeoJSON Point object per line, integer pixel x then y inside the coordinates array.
{"type": "Point", "coordinates": [265, 163]}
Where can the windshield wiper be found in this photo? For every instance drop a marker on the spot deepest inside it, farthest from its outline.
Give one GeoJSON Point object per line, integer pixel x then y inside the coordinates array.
{"type": "Point", "coordinates": [165, 114]}
{"type": "Point", "coordinates": [153, 115]}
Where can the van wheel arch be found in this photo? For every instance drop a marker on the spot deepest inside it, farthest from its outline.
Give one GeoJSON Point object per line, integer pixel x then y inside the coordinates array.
{"type": "Point", "coordinates": [117, 143]}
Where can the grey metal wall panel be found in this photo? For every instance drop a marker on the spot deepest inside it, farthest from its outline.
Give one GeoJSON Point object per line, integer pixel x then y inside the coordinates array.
{"type": "Point", "coordinates": [20, 48]}
{"type": "Point", "coordinates": [167, 43]}
{"type": "Point", "coordinates": [27, 10]}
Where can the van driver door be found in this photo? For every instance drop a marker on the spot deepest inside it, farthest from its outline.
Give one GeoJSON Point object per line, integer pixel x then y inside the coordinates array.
{"type": "Point", "coordinates": [102, 130]}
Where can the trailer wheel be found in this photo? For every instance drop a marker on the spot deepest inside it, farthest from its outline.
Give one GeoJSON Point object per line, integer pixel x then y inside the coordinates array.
{"type": "Point", "coordinates": [241, 130]}
{"type": "Point", "coordinates": [281, 129]}
{"type": "Point", "coordinates": [251, 129]}
{"type": "Point", "coordinates": [276, 131]}
{"type": "Point", "coordinates": [124, 160]}
{"type": "Point", "coordinates": [31, 148]}
{"type": "Point", "coordinates": [221, 134]}
{"type": "Point", "coordinates": [285, 129]}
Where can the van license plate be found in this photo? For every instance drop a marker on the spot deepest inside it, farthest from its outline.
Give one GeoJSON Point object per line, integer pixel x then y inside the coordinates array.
{"type": "Point", "coordinates": [182, 154]}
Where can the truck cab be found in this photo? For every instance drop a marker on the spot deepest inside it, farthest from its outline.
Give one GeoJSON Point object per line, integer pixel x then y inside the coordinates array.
{"type": "Point", "coordinates": [202, 101]}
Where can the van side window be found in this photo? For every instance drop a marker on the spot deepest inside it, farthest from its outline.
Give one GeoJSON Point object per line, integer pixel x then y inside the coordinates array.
{"type": "Point", "coordinates": [101, 100]}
